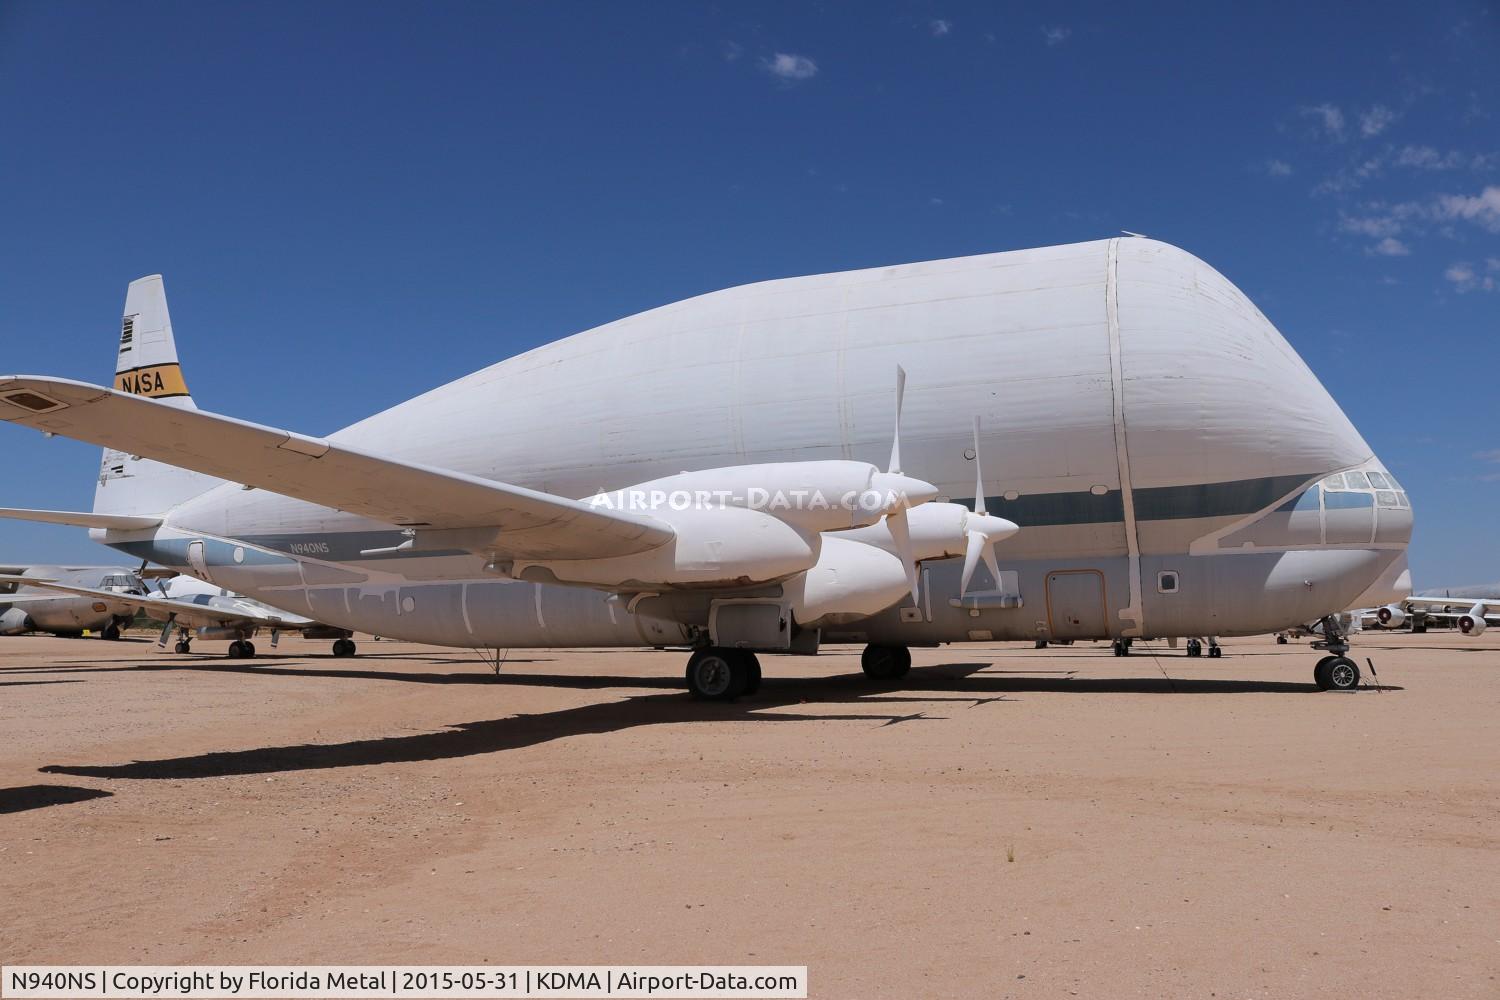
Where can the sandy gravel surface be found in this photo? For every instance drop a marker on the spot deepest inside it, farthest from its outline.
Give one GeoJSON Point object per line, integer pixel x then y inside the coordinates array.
{"type": "Point", "coordinates": [1007, 822]}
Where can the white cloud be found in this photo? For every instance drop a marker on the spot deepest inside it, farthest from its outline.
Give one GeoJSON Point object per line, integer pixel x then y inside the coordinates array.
{"type": "Point", "coordinates": [934, 201]}
{"type": "Point", "coordinates": [1278, 168]}
{"type": "Point", "coordinates": [733, 51]}
{"type": "Point", "coordinates": [1327, 117]}
{"type": "Point", "coordinates": [1466, 277]}
{"type": "Point", "coordinates": [790, 67]}
{"type": "Point", "coordinates": [1376, 120]}
{"type": "Point", "coordinates": [1482, 209]}
{"type": "Point", "coordinates": [1427, 158]}
{"type": "Point", "coordinates": [1375, 226]}
{"type": "Point", "coordinates": [940, 27]}
{"type": "Point", "coordinates": [1056, 34]}
{"type": "Point", "coordinates": [1390, 247]}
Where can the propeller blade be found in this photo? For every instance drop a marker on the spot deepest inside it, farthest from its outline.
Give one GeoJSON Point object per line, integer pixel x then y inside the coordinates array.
{"type": "Point", "coordinates": [989, 561]}
{"type": "Point", "coordinates": [895, 465]}
{"type": "Point", "coordinates": [901, 535]}
{"type": "Point", "coordinates": [978, 472]}
{"type": "Point", "coordinates": [977, 543]}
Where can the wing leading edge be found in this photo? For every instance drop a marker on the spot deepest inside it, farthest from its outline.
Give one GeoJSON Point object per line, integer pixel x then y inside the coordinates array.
{"type": "Point", "coordinates": [526, 523]}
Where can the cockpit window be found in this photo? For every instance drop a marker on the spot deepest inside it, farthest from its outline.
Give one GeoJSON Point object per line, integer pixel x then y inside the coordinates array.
{"type": "Point", "coordinates": [1379, 481]}
{"type": "Point", "coordinates": [1402, 500]}
{"type": "Point", "coordinates": [1386, 498]}
{"type": "Point", "coordinates": [1334, 482]}
{"type": "Point", "coordinates": [1357, 480]}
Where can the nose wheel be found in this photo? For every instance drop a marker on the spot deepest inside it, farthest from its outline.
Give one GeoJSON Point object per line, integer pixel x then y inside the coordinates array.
{"type": "Point", "coordinates": [1336, 673]}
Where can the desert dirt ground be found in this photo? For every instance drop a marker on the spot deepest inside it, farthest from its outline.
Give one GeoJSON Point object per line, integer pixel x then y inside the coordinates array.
{"type": "Point", "coordinates": [1005, 822]}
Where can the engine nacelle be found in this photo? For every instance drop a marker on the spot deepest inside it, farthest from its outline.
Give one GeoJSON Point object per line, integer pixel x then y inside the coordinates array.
{"type": "Point", "coordinates": [221, 632]}
{"type": "Point", "coordinates": [1390, 616]}
{"type": "Point", "coordinates": [1473, 623]}
{"type": "Point", "coordinates": [851, 580]}
{"type": "Point", "coordinates": [15, 621]}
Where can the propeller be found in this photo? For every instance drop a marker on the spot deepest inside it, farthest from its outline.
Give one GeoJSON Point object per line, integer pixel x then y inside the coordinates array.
{"type": "Point", "coordinates": [903, 492]}
{"type": "Point", "coordinates": [984, 529]}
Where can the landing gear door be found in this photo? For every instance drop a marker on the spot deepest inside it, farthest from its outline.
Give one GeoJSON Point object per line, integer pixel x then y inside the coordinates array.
{"type": "Point", "coordinates": [197, 563]}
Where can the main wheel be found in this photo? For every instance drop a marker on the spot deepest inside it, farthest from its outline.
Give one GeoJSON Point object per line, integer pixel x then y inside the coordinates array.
{"type": "Point", "coordinates": [752, 673]}
{"type": "Point", "coordinates": [1194, 647]}
{"type": "Point", "coordinates": [181, 647]}
{"type": "Point", "coordinates": [1122, 647]}
{"type": "Point", "coordinates": [885, 663]}
{"type": "Point", "coordinates": [343, 647]}
{"type": "Point", "coordinates": [1280, 640]}
{"type": "Point", "coordinates": [717, 674]}
{"type": "Point", "coordinates": [1041, 644]}
{"type": "Point", "coordinates": [236, 650]}
{"type": "Point", "coordinates": [1215, 652]}
{"type": "Point", "coordinates": [111, 632]}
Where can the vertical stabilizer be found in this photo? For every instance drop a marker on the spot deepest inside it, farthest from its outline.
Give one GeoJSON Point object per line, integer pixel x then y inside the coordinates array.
{"type": "Point", "coordinates": [146, 364]}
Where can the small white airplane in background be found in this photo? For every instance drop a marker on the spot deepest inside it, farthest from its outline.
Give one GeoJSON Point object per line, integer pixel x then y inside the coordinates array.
{"type": "Point", "coordinates": [28, 606]}
{"type": "Point", "coordinates": [198, 610]}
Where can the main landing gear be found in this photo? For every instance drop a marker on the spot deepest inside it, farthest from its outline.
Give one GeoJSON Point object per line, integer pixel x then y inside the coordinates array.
{"type": "Point", "coordinates": [1121, 647]}
{"type": "Point", "coordinates": [1335, 672]}
{"type": "Point", "coordinates": [885, 663]}
{"type": "Point", "coordinates": [716, 673]}
{"type": "Point", "coordinates": [1195, 647]}
{"type": "Point", "coordinates": [343, 647]}
{"type": "Point", "coordinates": [241, 649]}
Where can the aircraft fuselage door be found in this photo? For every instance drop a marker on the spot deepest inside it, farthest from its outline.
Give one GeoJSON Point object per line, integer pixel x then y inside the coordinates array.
{"type": "Point", "coordinates": [1075, 604]}
{"type": "Point", "coordinates": [197, 564]}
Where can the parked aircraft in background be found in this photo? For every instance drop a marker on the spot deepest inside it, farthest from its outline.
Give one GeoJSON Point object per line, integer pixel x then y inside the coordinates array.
{"type": "Point", "coordinates": [1471, 612]}
{"type": "Point", "coordinates": [1174, 468]}
{"type": "Point", "coordinates": [25, 606]}
{"type": "Point", "coordinates": [198, 610]}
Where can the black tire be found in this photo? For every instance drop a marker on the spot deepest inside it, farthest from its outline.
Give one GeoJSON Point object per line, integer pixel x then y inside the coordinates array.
{"type": "Point", "coordinates": [181, 647]}
{"type": "Point", "coordinates": [236, 650]}
{"type": "Point", "coordinates": [1281, 640]}
{"type": "Point", "coordinates": [1419, 627]}
{"type": "Point", "coordinates": [1122, 648]}
{"type": "Point", "coordinates": [249, 648]}
{"type": "Point", "coordinates": [885, 663]}
{"type": "Point", "coordinates": [752, 673]}
{"type": "Point", "coordinates": [1194, 647]}
{"type": "Point", "coordinates": [1320, 673]}
{"type": "Point", "coordinates": [349, 647]}
{"type": "Point", "coordinates": [715, 674]}
{"type": "Point", "coordinates": [111, 632]}
{"type": "Point", "coordinates": [1041, 644]}
{"type": "Point", "coordinates": [1215, 652]}
{"type": "Point", "coordinates": [1342, 674]}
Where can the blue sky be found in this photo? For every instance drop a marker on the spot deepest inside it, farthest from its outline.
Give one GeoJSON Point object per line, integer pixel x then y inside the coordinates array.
{"type": "Point", "coordinates": [355, 202]}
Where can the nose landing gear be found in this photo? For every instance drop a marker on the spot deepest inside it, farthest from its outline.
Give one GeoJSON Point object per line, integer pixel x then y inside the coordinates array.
{"type": "Point", "coordinates": [1334, 672]}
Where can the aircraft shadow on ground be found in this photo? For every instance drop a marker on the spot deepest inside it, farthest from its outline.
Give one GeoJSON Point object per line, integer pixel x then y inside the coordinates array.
{"type": "Point", "coordinates": [14, 800]}
{"type": "Point", "coordinates": [943, 686]}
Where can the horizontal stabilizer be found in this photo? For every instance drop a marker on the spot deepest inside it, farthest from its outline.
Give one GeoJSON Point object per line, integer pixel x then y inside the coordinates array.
{"type": "Point", "coordinates": [526, 523]}
{"type": "Point", "coordinates": [82, 519]}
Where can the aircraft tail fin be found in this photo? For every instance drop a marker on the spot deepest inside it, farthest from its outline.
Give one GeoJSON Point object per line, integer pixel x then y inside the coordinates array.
{"type": "Point", "coordinates": [147, 365]}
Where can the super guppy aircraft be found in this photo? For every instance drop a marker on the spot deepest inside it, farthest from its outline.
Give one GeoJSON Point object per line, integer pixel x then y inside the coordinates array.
{"type": "Point", "coordinates": [714, 474]}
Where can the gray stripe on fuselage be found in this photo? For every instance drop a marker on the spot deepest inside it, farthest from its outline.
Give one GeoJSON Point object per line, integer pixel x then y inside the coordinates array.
{"type": "Point", "coordinates": [1152, 503]}
{"type": "Point", "coordinates": [1155, 503]}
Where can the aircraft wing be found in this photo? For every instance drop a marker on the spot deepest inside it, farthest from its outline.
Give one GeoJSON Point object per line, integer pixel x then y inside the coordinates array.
{"type": "Point", "coordinates": [185, 612]}
{"type": "Point", "coordinates": [527, 523]}
{"type": "Point", "coordinates": [1461, 605]}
